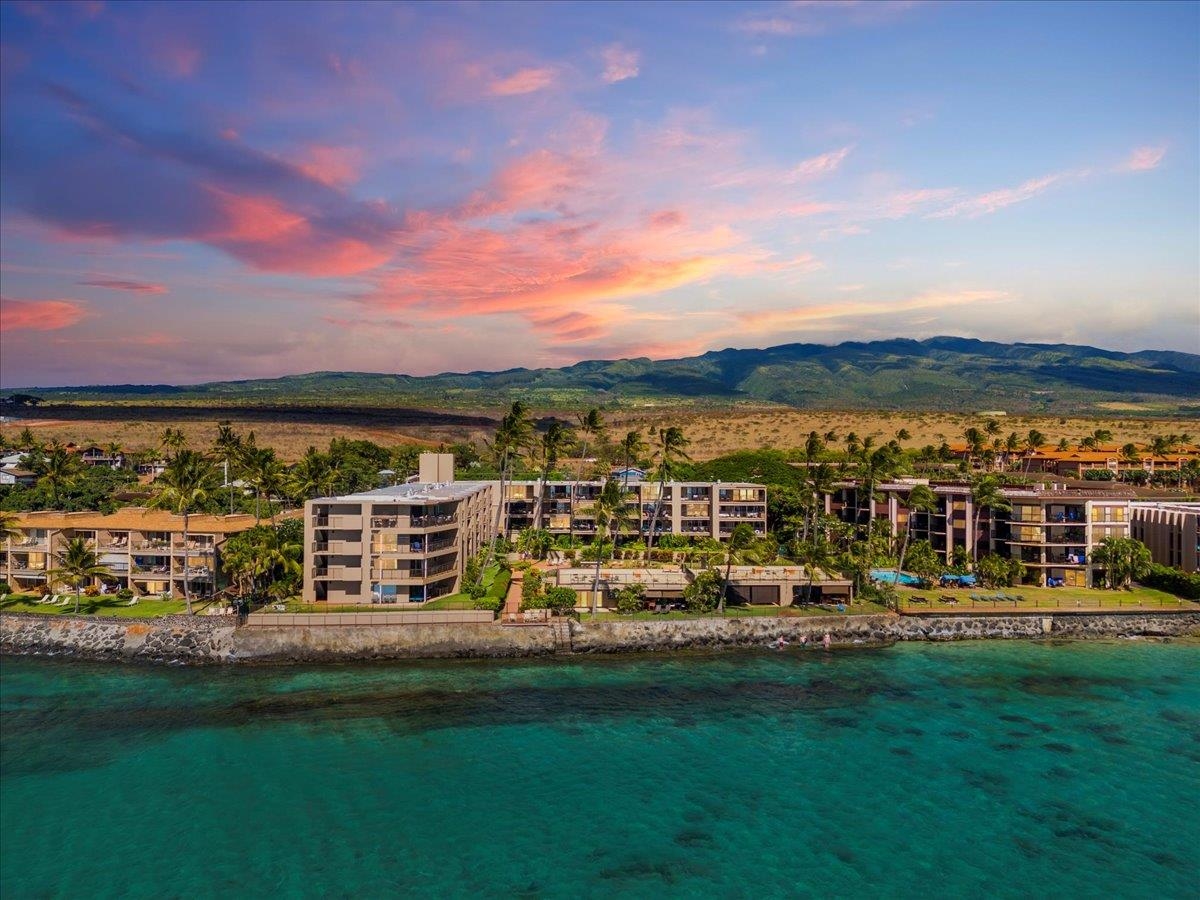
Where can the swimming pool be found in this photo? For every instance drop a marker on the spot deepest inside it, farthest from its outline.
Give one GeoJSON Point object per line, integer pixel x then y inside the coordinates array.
{"type": "Point", "coordinates": [889, 576]}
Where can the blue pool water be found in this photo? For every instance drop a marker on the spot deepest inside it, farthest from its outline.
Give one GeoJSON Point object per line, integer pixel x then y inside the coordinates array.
{"type": "Point", "coordinates": [977, 769]}
{"type": "Point", "coordinates": [889, 576]}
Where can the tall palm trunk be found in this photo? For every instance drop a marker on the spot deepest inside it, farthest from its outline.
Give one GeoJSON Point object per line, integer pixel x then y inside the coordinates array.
{"type": "Point", "coordinates": [78, 591]}
{"type": "Point", "coordinates": [501, 517]}
{"type": "Point", "coordinates": [574, 490]}
{"type": "Point", "coordinates": [596, 576]}
{"type": "Point", "coordinates": [187, 589]}
{"type": "Point", "coordinates": [662, 482]}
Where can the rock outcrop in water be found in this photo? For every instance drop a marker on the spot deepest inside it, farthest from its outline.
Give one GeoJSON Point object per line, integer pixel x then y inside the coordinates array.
{"type": "Point", "coordinates": [200, 640]}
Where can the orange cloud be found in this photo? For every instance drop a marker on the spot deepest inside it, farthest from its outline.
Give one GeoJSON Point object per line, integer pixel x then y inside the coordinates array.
{"type": "Point", "coordinates": [523, 81]}
{"type": "Point", "coordinates": [39, 315]}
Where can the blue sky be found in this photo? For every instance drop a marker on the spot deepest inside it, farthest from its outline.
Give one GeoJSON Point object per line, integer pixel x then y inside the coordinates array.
{"type": "Point", "coordinates": [192, 192]}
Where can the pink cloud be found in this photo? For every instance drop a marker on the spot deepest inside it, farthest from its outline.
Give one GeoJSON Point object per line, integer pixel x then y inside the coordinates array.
{"type": "Point", "coordinates": [39, 315]}
{"type": "Point", "coordinates": [809, 18]}
{"type": "Point", "coordinates": [263, 232]}
{"type": "Point", "coordinates": [177, 57]}
{"type": "Point", "coordinates": [819, 166]}
{"type": "Point", "coordinates": [992, 201]}
{"type": "Point", "coordinates": [523, 81]}
{"type": "Point", "coordinates": [1143, 159]}
{"type": "Point", "coordinates": [133, 287]}
{"type": "Point", "coordinates": [620, 63]}
{"type": "Point", "coordinates": [334, 166]}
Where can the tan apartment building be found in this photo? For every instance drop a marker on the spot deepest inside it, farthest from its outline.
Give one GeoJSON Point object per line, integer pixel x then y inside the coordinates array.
{"type": "Point", "coordinates": [1051, 528]}
{"type": "Point", "coordinates": [407, 543]}
{"type": "Point", "coordinates": [144, 549]}
{"type": "Point", "coordinates": [1171, 531]}
{"type": "Point", "coordinates": [696, 508]}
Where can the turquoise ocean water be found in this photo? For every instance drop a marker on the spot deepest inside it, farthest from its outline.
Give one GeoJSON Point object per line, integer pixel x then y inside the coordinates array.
{"type": "Point", "coordinates": [985, 769]}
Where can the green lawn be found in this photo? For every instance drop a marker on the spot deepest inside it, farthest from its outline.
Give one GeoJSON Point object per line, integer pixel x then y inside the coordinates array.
{"type": "Point", "coordinates": [733, 612]}
{"type": "Point", "coordinates": [146, 607]}
{"type": "Point", "coordinates": [1045, 598]}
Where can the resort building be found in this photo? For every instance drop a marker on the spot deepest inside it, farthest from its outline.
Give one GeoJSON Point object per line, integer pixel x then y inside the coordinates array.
{"type": "Point", "coordinates": [697, 508]}
{"type": "Point", "coordinates": [1171, 531]}
{"type": "Point", "coordinates": [1075, 461]}
{"type": "Point", "coordinates": [142, 548]}
{"type": "Point", "coordinates": [1051, 528]}
{"type": "Point", "coordinates": [755, 585]}
{"type": "Point", "coordinates": [407, 543]}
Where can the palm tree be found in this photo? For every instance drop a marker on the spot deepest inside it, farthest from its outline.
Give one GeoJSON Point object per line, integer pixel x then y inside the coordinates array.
{"type": "Point", "coordinates": [739, 540]}
{"type": "Point", "coordinates": [1123, 559]}
{"type": "Point", "coordinates": [670, 452]}
{"type": "Point", "coordinates": [820, 483]}
{"type": "Point", "coordinates": [57, 470]}
{"type": "Point", "coordinates": [632, 449]}
{"type": "Point", "coordinates": [184, 485]}
{"type": "Point", "coordinates": [265, 474]}
{"type": "Point", "coordinates": [612, 517]}
{"type": "Point", "coordinates": [173, 439]}
{"type": "Point", "coordinates": [8, 527]}
{"type": "Point", "coordinates": [815, 556]}
{"type": "Point", "coordinates": [1011, 445]}
{"type": "Point", "coordinates": [227, 449]}
{"type": "Point", "coordinates": [77, 564]}
{"type": "Point", "coordinates": [513, 434]}
{"type": "Point", "coordinates": [555, 441]}
{"type": "Point", "coordinates": [311, 476]}
{"type": "Point", "coordinates": [985, 491]}
{"type": "Point", "coordinates": [1033, 441]}
{"type": "Point", "coordinates": [975, 440]}
{"type": "Point", "coordinates": [875, 466]}
{"type": "Point", "coordinates": [920, 499]}
{"type": "Point", "coordinates": [591, 425]}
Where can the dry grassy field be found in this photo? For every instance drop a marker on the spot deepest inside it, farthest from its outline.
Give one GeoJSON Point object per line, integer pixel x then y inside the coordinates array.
{"type": "Point", "coordinates": [713, 432]}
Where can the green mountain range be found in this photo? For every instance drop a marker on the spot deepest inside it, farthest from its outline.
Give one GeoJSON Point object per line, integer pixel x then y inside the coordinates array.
{"type": "Point", "coordinates": [942, 373]}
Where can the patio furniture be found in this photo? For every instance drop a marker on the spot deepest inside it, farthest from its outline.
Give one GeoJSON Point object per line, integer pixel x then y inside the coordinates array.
{"type": "Point", "coordinates": [949, 598]}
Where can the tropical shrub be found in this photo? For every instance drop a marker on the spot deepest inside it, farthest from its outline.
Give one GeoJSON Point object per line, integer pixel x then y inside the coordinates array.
{"type": "Point", "coordinates": [1098, 475]}
{"type": "Point", "coordinates": [5, 587]}
{"type": "Point", "coordinates": [92, 590]}
{"type": "Point", "coordinates": [1173, 581]}
{"type": "Point", "coordinates": [704, 591]}
{"type": "Point", "coordinates": [631, 598]}
{"type": "Point", "coordinates": [125, 594]}
{"type": "Point", "coordinates": [559, 599]}
{"type": "Point", "coordinates": [531, 589]}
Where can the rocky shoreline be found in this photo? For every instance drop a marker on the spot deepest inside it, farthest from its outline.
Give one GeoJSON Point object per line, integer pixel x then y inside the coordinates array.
{"type": "Point", "coordinates": [183, 640]}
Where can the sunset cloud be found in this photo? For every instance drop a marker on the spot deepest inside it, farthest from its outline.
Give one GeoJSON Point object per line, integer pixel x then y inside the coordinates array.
{"type": "Point", "coordinates": [1143, 159]}
{"type": "Point", "coordinates": [620, 63]}
{"type": "Point", "coordinates": [993, 201]}
{"type": "Point", "coordinates": [39, 315]}
{"type": "Point", "coordinates": [819, 166]}
{"type": "Point", "coordinates": [523, 81]}
{"type": "Point", "coordinates": [799, 316]}
{"type": "Point", "coordinates": [133, 287]}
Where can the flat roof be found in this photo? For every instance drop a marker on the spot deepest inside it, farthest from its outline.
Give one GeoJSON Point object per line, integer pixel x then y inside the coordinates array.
{"type": "Point", "coordinates": [417, 492]}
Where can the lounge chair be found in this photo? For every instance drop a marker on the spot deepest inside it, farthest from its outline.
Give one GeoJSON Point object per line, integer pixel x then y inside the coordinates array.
{"type": "Point", "coordinates": [132, 601]}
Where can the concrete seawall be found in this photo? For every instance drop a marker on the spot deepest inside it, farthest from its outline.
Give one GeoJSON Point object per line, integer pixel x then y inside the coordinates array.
{"type": "Point", "coordinates": [197, 640]}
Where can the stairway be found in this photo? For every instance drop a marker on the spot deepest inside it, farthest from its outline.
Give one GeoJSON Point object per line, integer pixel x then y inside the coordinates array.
{"type": "Point", "coordinates": [560, 627]}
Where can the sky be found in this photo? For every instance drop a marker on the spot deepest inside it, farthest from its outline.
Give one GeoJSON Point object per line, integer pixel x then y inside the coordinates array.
{"type": "Point", "coordinates": [194, 192]}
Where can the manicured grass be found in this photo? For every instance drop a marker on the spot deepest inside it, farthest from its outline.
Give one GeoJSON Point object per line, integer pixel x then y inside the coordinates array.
{"type": "Point", "coordinates": [733, 612]}
{"type": "Point", "coordinates": [1045, 598]}
{"type": "Point", "coordinates": [101, 606]}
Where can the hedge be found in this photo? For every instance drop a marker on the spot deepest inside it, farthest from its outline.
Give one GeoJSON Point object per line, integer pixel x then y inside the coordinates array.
{"type": "Point", "coordinates": [1173, 581]}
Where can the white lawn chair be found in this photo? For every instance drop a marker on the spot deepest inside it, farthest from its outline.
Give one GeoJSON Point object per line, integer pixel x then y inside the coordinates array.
{"type": "Point", "coordinates": [65, 601]}
{"type": "Point", "coordinates": [48, 599]}
{"type": "Point", "coordinates": [132, 601]}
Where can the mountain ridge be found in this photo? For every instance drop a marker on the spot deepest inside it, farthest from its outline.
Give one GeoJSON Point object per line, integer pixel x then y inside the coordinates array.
{"type": "Point", "coordinates": [944, 372]}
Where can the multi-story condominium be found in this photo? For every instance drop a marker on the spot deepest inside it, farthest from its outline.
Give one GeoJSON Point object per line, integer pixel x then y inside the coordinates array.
{"type": "Point", "coordinates": [1074, 461]}
{"type": "Point", "coordinates": [1053, 530]}
{"type": "Point", "coordinates": [407, 543]}
{"type": "Point", "coordinates": [702, 509]}
{"type": "Point", "coordinates": [143, 549]}
{"type": "Point", "coordinates": [1171, 531]}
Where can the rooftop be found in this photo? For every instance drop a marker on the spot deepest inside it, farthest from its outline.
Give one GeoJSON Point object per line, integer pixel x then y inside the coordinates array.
{"type": "Point", "coordinates": [136, 518]}
{"type": "Point", "coordinates": [416, 493]}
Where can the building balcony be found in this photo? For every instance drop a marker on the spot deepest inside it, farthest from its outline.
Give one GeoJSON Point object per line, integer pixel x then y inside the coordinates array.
{"type": "Point", "coordinates": [426, 523]}
{"type": "Point", "coordinates": [340, 522]}
{"type": "Point", "coordinates": [350, 548]}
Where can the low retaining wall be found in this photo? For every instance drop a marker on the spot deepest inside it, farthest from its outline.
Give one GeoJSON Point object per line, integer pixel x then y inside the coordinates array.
{"type": "Point", "coordinates": [202, 639]}
{"type": "Point", "coordinates": [175, 639]}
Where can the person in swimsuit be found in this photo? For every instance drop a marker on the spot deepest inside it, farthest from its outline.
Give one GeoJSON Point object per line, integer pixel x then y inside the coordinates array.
{"type": "Point", "coordinates": [827, 640]}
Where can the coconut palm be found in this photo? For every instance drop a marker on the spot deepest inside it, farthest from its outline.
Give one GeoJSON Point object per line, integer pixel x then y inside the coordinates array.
{"type": "Point", "coordinates": [815, 556]}
{"type": "Point", "coordinates": [591, 426]}
{"type": "Point", "coordinates": [632, 449]}
{"type": "Point", "coordinates": [184, 485]}
{"type": "Point", "coordinates": [985, 491]}
{"type": "Point", "coordinates": [920, 499]}
{"type": "Point", "coordinates": [1034, 439]}
{"type": "Point", "coordinates": [56, 469]}
{"type": "Point", "coordinates": [264, 472]}
{"type": "Point", "coordinates": [1123, 559]}
{"type": "Point", "coordinates": [741, 538]}
{"type": "Point", "coordinates": [669, 453]}
{"type": "Point", "coordinates": [612, 517]}
{"type": "Point", "coordinates": [8, 527]}
{"type": "Point", "coordinates": [554, 443]}
{"type": "Point", "coordinates": [173, 439]}
{"type": "Point", "coordinates": [513, 434]}
{"type": "Point", "coordinates": [227, 449]}
{"type": "Point", "coordinates": [975, 441]}
{"type": "Point", "coordinates": [77, 565]}
{"type": "Point", "coordinates": [875, 465]}
{"type": "Point", "coordinates": [312, 476]}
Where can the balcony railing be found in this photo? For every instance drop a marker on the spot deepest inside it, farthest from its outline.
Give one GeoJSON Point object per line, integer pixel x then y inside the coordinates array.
{"type": "Point", "coordinates": [434, 520]}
